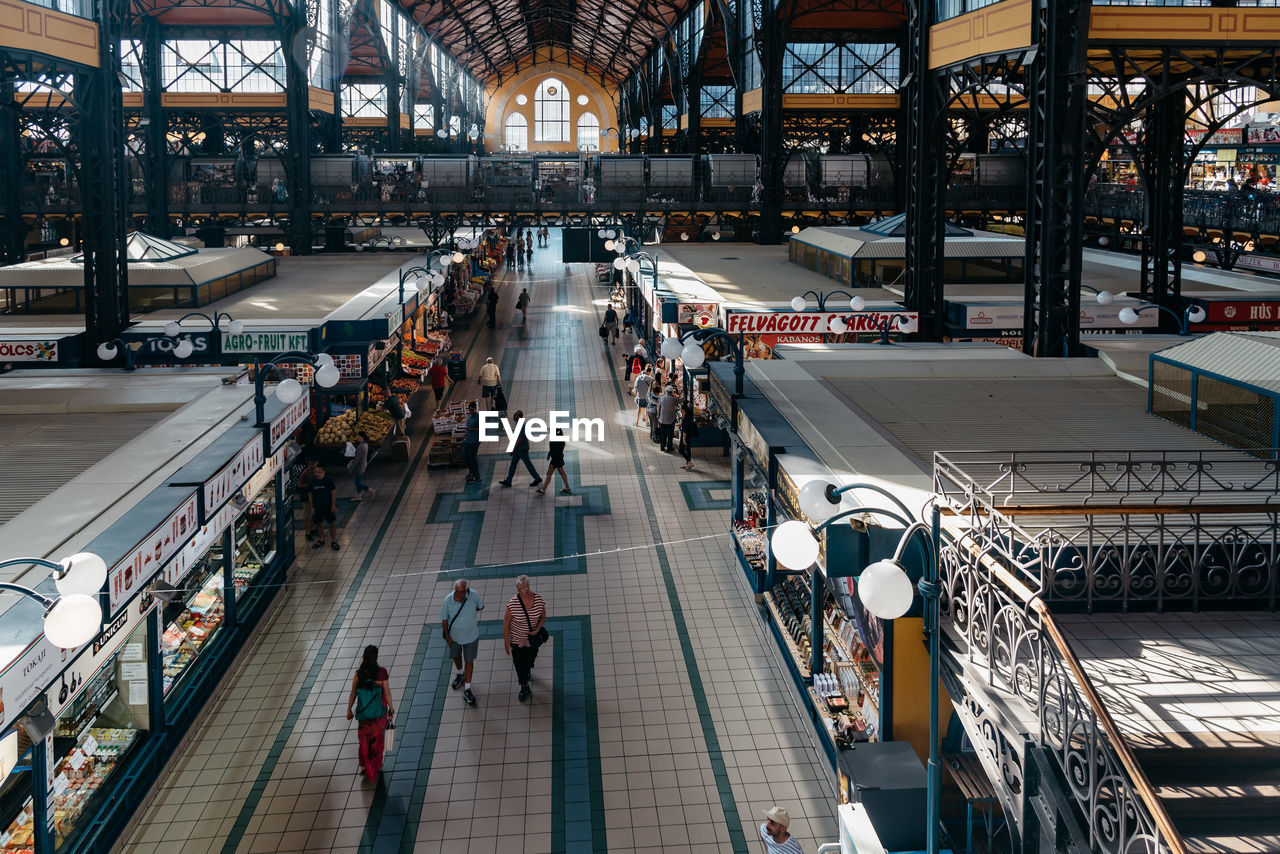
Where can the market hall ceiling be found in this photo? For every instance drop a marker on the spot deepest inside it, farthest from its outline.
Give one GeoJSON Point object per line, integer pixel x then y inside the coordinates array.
{"type": "Point", "coordinates": [497, 39]}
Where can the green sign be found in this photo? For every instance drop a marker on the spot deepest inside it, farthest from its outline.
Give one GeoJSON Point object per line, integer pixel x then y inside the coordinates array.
{"type": "Point", "coordinates": [265, 342]}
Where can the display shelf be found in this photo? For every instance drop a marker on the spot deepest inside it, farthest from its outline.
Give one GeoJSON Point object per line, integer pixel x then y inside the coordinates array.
{"type": "Point", "coordinates": [871, 687]}
{"type": "Point", "coordinates": [797, 656]}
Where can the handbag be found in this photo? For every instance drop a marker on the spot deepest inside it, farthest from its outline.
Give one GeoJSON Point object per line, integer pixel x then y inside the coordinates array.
{"type": "Point", "coordinates": [389, 737]}
{"type": "Point", "coordinates": [541, 636]}
{"type": "Point", "coordinates": [604, 331]}
{"type": "Point", "coordinates": [349, 451]}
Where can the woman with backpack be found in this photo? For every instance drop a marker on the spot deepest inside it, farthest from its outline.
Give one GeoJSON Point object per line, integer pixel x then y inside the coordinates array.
{"type": "Point", "coordinates": [370, 704]}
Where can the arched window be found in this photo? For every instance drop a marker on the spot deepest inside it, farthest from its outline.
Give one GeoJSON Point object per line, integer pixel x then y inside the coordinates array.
{"type": "Point", "coordinates": [588, 132]}
{"type": "Point", "coordinates": [551, 112]}
{"type": "Point", "coordinates": [517, 131]}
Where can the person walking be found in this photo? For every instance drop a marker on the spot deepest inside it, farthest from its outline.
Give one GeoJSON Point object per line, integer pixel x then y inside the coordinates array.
{"type": "Point", "coordinates": [395, 407]}
{"type": "Point", "coordinates": [611, 322]}
{"type": "Point", "coordinates": [524, 631]}
{"type": "Point", "coordinates": [528, 245]}
{"type": "Point", "coordinates": [651, 408]}
{"type": "Point", "coordinates": [522, 303]}
{"type": "Point", "coordinates": [520, 453]}
{"type": "Point", "coordinates": [322, 494]}
{"type": "Point", "coordinates": [643, 381]}
{"type": "Point", "coordinates": [460, 616]}
{"type": "Point", "coordinates": [637, 364]}
{"type": "Point", "coordinates": [438, 376]}
{"type": "Point", "coordinates": [511, 255]}
{"type": "Point", "coordinates": [491, 303]}
{"type": "Point", "coordinates": [777, 839]}
{"type": "Point", "coordinates": [555, 463]}
{"type": "Point", "coordinates": [370, 704]}
{"type": "Point", "coordinates": [490, 379]}
{"type": "Point", "coordinates": [471, 444]}
{"type": "Point", "coordinates": [688, 432]}
{"type": "Point", "coordinates": [304, 493]}
{"type": "Point", "coordinates": [668, 409]}
{"type": "Point", "coordinates": [358, 464]}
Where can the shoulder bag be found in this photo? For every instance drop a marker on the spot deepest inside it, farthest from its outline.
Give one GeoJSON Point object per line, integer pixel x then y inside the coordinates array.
{"type": "Point", "coordinates": [541, 636]}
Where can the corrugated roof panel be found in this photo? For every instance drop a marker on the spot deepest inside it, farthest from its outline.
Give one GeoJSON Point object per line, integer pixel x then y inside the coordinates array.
{"type": "Point", "coordinates": [1247, 357]}
{"type": "Point", "coordinates": [41, 453]}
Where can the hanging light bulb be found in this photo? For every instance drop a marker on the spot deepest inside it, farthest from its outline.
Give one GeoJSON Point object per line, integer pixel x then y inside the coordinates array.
{"type": "Point", "coordinates": [799, 303]}
{"type": "Point", "coordinates": [184, 349]}
{"type": "Point", "coordinates": [837, 325]}
{"type": "Point", "coordinates": [857, 303]}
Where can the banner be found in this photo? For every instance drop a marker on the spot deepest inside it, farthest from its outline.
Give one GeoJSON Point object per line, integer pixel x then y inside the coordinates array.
{"type": "Point", "coordinates": [809, 322]}
{"type": "Point", "coordinates": [28, 351]}
{"type": "Point", "coordinates": [266, 342]}
{"type": "Point", "coordinates": [145, 562]}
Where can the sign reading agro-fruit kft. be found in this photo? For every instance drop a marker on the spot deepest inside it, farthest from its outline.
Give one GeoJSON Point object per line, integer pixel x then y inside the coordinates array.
{"type": "Point", "coordinates": [265, 342]}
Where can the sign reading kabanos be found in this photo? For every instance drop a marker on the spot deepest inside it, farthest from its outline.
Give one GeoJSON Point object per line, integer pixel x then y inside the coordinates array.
{"type": "Point", "coordinates": [812, 322]}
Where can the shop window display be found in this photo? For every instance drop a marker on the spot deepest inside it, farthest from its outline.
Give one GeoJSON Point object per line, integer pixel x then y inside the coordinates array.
{"type": "Point", "coordinates": [16, 804]}
{"type": "Point", "coordinates": [255, 540]}
{"type": "Point", "coordinates": [92, 736]}
{"type": "Point", "coordinates": [193, 618]}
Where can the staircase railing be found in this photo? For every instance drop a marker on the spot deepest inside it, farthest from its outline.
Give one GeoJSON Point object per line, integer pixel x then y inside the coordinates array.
{"type": "Point", "coordinates": [1031, 532]}
{"type": "Point", "coordinates": [1006, 630]}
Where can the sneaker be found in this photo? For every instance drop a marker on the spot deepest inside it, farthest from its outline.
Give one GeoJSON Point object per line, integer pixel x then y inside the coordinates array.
{"type": "Point", "coordinates": [334, 545]}
{"type": "Point", "coordinates": [458, 681]}
{"type": "Point", "coordinates": [310, 535]}
{"type": "Point", "coordinates": [524, 693]}
{"type": "Point", "coordinates": [505, 482]}
{"type": "Point", "coordinates": [566, 492]}
{"type": "Point", "coordinates": [469, 697]}
{"type": "Point", "coordinates": [318, 544]}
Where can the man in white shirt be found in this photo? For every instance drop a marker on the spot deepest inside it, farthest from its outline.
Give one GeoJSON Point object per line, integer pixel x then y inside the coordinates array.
{"type": "Point", "coordinates": [774, 833]}
{"type": "Point", "coordinates": [490, 379]}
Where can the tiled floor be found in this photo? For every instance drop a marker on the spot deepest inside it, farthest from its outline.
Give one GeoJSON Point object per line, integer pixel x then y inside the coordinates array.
{"type": "Point", "coordinates": [1173, 679]}
{"type": "Point", "coordinates": [660, 719]}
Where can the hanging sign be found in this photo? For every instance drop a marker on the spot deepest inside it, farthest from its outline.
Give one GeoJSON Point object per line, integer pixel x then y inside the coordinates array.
{"type": "Point", "coordinates": [1242, 311]}
{"type": "Point", "coordinates": [97, 654]}
{"type": "Point", "coordinates": [176, 569]}
{"type": "Point", "coordinates": [145, 562]}
{"type": "Point", "coordinates": [701, 314]}
{"type": "Point", "coordinates": [233, 475]}
{"type": "Point", "coordinates": [266, 342]}
{"type": "Point", "coordinates": [284, 424]}
{"type": "Point", "coordinates": [809, 322]}
{"type": "Point", "coordinates": [1008, 316]}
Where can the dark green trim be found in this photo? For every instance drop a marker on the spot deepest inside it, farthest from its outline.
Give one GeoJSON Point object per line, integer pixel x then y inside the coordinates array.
{"type": "Point", "coordinates": [718, 769]}
{"type": "Point", "coordinates": [250, 805]}
{"type": "Point", "coordinates": [697, 494]}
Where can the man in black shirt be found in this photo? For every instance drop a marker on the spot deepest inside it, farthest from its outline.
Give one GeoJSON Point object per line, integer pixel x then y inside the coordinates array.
{"type": "Point", "coordinates": [611, 322]}
{"type": "Point", "coordinates": [493, 308]}
{"type": "Point", "coordinates": [322, 491]}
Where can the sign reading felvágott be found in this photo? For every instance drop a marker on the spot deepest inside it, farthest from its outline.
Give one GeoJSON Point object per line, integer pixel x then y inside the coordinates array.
{"type": "Point", "coordinates": [265, 342]}
{"type": "Point", "coordinates": [811, 322]}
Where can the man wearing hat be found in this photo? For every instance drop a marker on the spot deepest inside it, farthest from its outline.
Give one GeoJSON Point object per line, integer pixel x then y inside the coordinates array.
{"type": "Point", "coordinates": [774, 833]}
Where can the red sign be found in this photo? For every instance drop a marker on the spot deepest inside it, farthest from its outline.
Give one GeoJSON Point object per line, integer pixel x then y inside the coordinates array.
{"type": "Point", "coordinates": [1223, 136]}
{"type": "Point", "coordinates": [809, 322]}
{"type": "Point", "coordinates": [1243, 311]}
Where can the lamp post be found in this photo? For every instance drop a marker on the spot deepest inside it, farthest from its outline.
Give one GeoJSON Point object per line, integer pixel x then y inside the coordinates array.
{"type": "Point", "coordinates": [429, 278]}
{"type": "Point", "coordinates": [1191, 314]}
{"type": "Point", "coordinates": [801, 303]}
{"type": "Point", "coordinates": [689, 350]}
{"type": "Point", "coordinates": [75, 617]}
{"type": "Point", "coordinates": [174, 327]}
{"type": "Point", "coordinates": [183, 349]}
{"type": "Point", "coordinates": [288, 389]}
{"type": "Point", "coordinates": [906, 325]}
{"type": "Point", "coordinates": [885, 590]}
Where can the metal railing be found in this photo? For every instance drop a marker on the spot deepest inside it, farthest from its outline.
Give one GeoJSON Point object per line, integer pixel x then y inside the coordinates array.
{"type": "Point", "coordinates": [1034, 533]}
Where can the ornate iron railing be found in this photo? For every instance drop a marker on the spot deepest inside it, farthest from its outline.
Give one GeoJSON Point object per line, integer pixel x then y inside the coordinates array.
{"type": "Point", "coordinates": [1103, 530]}
{"type": "Point", "coordinates": [1006, 631]}
{"type": "Point", "coordinates": [1002, 479]}
{"type": "Point", "coordinates": [1112, 530]}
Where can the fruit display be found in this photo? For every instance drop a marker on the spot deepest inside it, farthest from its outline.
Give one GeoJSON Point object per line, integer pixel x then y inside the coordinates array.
{"type": "Point", "coordinates": [376, 425]}
{"type": "Point", "coordinates": [414, 363]}
{"type": "Point", "coordinates": [405, 385]}
{"type": "Point", "coordinates": [338, 430]}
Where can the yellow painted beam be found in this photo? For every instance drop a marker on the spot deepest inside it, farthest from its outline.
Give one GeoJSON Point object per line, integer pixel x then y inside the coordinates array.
{"type": "Point", "coordinates": [1194, 24]}
{"type": "Point", "coordinates": [33, 28]}
{"type": "Point", "coordinates": [999, 28]}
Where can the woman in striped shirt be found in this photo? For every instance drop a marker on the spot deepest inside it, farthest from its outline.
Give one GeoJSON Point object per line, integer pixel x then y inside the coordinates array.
{"type": "Point", "coordinates": [523, 630]}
